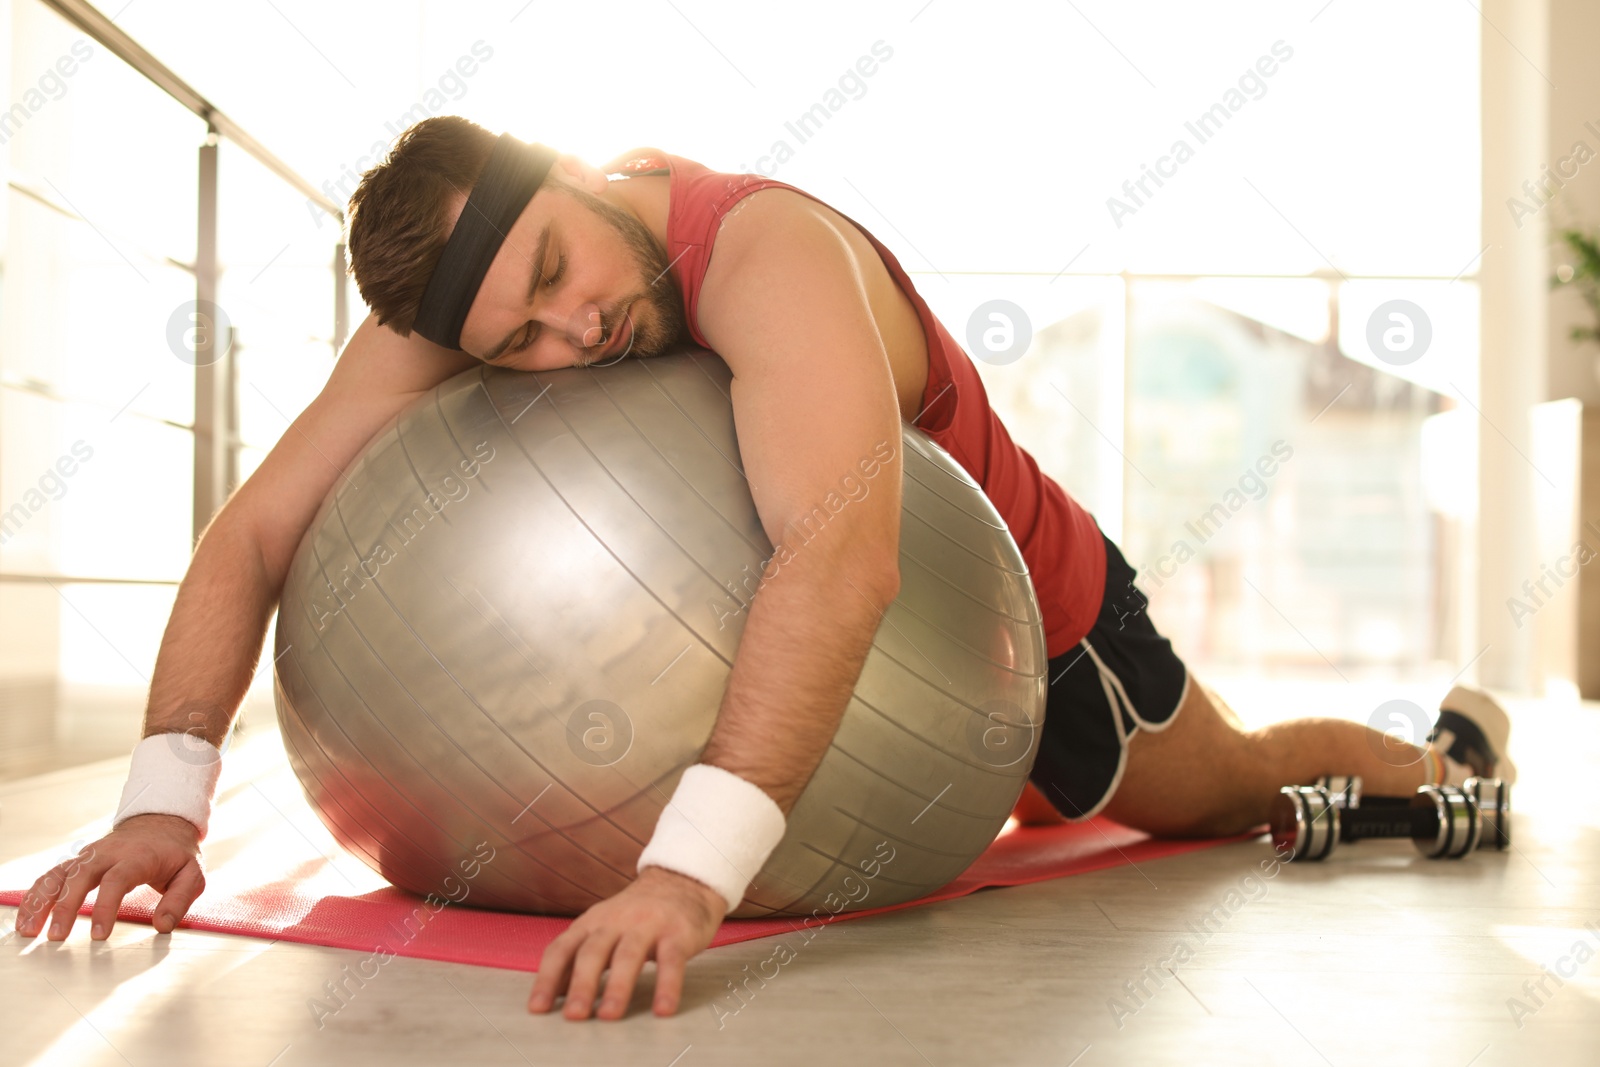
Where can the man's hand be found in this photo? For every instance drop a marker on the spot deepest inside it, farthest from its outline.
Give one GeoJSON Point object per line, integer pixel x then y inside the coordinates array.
{"type": "Point", "coordinates": [662, 915]}
{"type": "Point", "coordinates": [162, 851]}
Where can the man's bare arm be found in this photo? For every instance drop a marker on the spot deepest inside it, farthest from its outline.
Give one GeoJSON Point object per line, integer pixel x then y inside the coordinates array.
{"type": "Point", "coordinates": [815, 405]}
{"type": "Point", "coordinates": [814, 399]}
{"type": "Point", "coordinates": [213, 638]}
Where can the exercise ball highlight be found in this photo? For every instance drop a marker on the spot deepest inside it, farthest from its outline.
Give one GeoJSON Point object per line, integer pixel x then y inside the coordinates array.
{"type": "Point", "coordinates": [508, 629]}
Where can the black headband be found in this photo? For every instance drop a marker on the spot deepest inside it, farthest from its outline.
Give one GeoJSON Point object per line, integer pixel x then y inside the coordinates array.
{"type": "Point", "coordinates": [510, 178]}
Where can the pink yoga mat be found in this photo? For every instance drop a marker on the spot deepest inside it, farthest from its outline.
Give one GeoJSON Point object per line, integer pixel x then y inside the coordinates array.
{"type": "Point", "coordinates": [257, 887]}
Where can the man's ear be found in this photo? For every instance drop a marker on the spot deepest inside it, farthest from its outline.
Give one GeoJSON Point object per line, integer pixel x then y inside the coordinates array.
{"type": "Point", "coordinates": [581, 174]}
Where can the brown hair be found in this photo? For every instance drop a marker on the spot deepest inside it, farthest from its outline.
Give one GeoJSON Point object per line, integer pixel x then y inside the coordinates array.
{"type": "Point", "coordinates": [398, 214]}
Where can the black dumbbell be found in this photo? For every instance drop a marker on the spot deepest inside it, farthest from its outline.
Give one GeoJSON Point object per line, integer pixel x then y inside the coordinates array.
{"type": "Point", "coordinates": [1442, 821]}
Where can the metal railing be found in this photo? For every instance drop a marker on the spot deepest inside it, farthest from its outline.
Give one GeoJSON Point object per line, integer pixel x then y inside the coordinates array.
{"type": "Point", "coordinates": [216, 446]}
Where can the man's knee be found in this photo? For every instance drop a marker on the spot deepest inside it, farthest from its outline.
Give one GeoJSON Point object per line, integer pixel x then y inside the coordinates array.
{"type": "Point", "coordinates": [1197, 778]}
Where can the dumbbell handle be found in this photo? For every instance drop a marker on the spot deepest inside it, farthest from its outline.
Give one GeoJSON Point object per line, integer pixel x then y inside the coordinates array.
{"type": "Point", "coordinates": [1308, 821]}
{"type": "Point", "coordinates": [1405, 819]}
{"type": "Point", "coordinates": [1489, 797]}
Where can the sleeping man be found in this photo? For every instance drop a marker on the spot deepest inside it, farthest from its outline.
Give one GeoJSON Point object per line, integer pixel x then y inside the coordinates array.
{"type": "Point", "coordinates": [474, 248]}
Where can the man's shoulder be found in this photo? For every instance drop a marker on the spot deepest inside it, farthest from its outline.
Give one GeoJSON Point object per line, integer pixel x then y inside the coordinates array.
{"type": "Point", "coordinates": [773, 218]}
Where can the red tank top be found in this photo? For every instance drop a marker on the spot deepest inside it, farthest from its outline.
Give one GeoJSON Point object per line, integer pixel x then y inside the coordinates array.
{"type": "Point", "coordinates": [1060, 541]}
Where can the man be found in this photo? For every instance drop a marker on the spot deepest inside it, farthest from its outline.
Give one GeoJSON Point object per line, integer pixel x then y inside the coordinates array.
{"type": "Point", "coordinates": [470, 248]}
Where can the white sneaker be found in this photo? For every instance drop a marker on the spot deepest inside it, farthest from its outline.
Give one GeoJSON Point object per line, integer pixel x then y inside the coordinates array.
{"type": "Point", "coordinates": [1474, 730]}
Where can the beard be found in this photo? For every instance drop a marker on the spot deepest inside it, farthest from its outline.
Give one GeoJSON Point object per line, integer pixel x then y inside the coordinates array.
{"type": "Point", "coordinates": [656, 290]}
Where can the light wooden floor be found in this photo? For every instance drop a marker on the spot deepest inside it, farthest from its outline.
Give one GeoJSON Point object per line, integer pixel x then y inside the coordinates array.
{"type": "Point", "coordinates": [1375, 957]}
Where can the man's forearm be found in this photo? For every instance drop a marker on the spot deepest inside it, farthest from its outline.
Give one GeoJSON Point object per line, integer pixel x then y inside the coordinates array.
{"type": "Point", "coordinates": [213, 637]}
{"type": "Point", "coordinates": [807, 637]}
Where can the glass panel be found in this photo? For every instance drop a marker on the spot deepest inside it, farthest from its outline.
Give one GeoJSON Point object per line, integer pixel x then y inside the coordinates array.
{"type": "Point", "coordinates": [90, 495]}
{"type": "Point", "coordinates": [79, 323]}
{"type": "Point", "coordinates": [277, 290]}
{"type": "Point", "coordinates": [1053, 372]}
{"type": "Point", "coordinates": [103, 137]}
{"type": "Point", "coordinates": [99, 224]}
{"type": "Point", "coordinates": [1290, 521]}
{"type": "Point", "coordinates": [110, 633]}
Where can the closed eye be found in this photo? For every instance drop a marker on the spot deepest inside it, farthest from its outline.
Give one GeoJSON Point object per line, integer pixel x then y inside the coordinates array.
{"type": "Point", "coordinates": [533, 329]}
{"type": "Point", "coordinates": [532, 333]}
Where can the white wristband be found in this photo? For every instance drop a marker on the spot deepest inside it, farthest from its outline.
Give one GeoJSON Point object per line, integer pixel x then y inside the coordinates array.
{"type": "Point", "coordinates": [171, 774]}
{"type": "Point", "coordinates": [717, 829]}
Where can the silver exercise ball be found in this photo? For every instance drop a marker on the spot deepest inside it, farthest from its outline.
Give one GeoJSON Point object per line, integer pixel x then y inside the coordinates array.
{"type": "Point", "coordinates": [508, 630]}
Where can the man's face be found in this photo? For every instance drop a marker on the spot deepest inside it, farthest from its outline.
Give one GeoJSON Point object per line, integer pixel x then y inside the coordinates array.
{"type": "Point", "coordinates": [578, 280]}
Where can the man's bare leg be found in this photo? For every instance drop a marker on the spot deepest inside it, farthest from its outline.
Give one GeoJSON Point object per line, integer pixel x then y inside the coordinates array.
{"type": "Point", "coordinates": [1204, 775]}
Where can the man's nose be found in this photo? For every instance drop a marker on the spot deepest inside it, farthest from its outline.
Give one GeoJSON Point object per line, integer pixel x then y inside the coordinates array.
{"type": "Point", "coordinates": [584, 326]}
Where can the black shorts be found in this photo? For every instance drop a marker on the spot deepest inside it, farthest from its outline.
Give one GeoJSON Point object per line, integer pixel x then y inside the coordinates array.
{"type": "Point", "coordinates": [1121, 678]}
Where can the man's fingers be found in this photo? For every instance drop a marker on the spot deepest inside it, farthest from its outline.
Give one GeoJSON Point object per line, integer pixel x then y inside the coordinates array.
{"type": "Point", "coordinates": [627, 959]}
{"type": "Point", "coordinates": [591, 960]}
{"type": "Point", "coordinates": [114, 885]}
{"type": "Point", "coordinates": [38, 901]}
{"type": "Point", "coordinates": [671, 959]}
{"type": "Point", "coordinates": [79, 882]}
{"type": "Point", "coordinates": [553, 971]}
{"type": "Point", "coordinates": [181, 892]}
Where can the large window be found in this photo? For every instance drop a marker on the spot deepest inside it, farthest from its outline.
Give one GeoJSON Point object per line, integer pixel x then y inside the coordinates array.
{"type": "Point", "coordinates": [98, 239]}
{"type": "Point", "coordinates": [1250, 350]}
